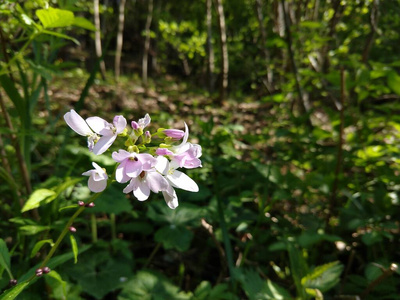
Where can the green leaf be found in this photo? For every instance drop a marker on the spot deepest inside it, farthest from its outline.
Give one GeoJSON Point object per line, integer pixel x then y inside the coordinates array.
{"type": "Point", "coordinates": [84, 23]}
{"type": "Point", "coordinates": [323, 277]}
{"type": "Point", "coordinates": [55, 281]}
{"type": "Point", "coordinates": [37, 197]}
{"type": "Point", "coordinates": [74, 248]}
{"type": "Point", "coordinates": [14, 292]}
{"type": "Point", "coordinates": [257, 288]}
{"type": "Point", "coordinates": [60, 35]}
{"type": "Point", "coordinates": [148, 285]}
{"type": "Point", "coordinates": [14, 95]}
{"type": "Point", "coordinates": [4, 258]}
{"type": "Point", "coordinates": [54, 17]}
{"type": "Point", "coordinates": [393, 81]}
{"type": "Point", "coordinates": [39, 245]}
{"type": "Point", "coordinates": [174, 237]}
{"type": "Point", "coordinates": [33, 229]}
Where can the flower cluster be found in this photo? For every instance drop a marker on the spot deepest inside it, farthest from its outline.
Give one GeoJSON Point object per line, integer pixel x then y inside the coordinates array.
{"type": "Point", "coordinates": [144, 165]}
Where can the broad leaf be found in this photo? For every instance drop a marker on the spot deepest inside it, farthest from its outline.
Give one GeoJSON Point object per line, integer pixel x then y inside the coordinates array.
{"type": "Point", "coordinates": [37, 197]}
{"type": "Point", "coordinates": [14, 292]}
{"type": "Point", "coordinates": [54, 17]}
{"type": "Point", "coordinates": [323, 277]}
{"type": "Point", "coordinates": [174, 237]}
{"type": "Point", "coordinates": [84, 23]}
{"type": "Point", "coordinates": [393, 81]}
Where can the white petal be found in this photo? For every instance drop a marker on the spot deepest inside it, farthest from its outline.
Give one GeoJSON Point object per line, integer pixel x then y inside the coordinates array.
{"type": "Point", "coordinates": [185, 137]}
{"type": "Point", "coordinates": [144, 122]}
{"type": "Point", "coordinates": [96, 186]}
{"type": "Point", "coordinates": [99, 170]}
{"type": "Point", "coordinates": [162, 165]}
{"type": "Point", "coordinates": [133, 168]}
{"type": "Point", "coordinates": [99, 125]}
{"type": "Point", "coordinates": [77, 123]}
{"type": "Point", "coordinates": [182, 181]}
{"type": "Point", "coordinates": [103, 144]}
{"type": "Point", "coordinates": [171, 199]}
{"type": "Point", "coordinates": [119, 123]}
{"type": "Point", "coordinates": [121, 155]}
{"type": "Point", "coordinates": [147, 160]}
{"type": "Point", "coordinates": [88, 173]}
{"type": "Point", "coordinates": [129, 187]}
{"type": "Point", "coordinates": [142, 191]}
{"type": "Point", "coordinates": [156, 182]}
{"type": "Point", "coordinates": [120, 174]}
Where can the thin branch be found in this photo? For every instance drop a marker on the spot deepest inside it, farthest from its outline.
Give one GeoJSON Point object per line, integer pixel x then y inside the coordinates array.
{"type": "Point", "coordinates": [386, 273]}
{"type": "Point", "coordinates": [374, 27]}
{"type": "Point", "coordinates": [339, 157]}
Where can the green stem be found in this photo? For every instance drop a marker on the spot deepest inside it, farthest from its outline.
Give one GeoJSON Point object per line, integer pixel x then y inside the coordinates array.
{"type": "Point", "coordinates": [93, 223]}
{"type": "Point", "coordinates": [152, 255]}
{"type": "Point", "coordinates": [113, 226]}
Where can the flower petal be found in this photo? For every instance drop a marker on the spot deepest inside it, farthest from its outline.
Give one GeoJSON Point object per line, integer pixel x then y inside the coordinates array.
{"type": "Point", "coordinates": [182, 181]}
{"type": "Point", "coordinates": [96, 186]}
{"type": "Point", "coordinates": [156, 182]}
{"type": "Point", "coordinates": [120, 174]}
{"type": "Point", "coordinates": [103, 144]}
{"type": "Point", "coordinates": [121, 155]}
{"type": "Point", "coordinates": [77, 123]}
{"type": "Point", "coordinates": [162, 165]}
{"type": "Point", "coordinates": [119, 123]}
{"type": "Point", "coordinates": [129, 187]}
{"type": "Point", "coordinates": [133, 168]}
{"type": "Point", "coordinates": [147, 160]}
{"type": "Point", "coordinates": [99, 125]}
{"type": "Point", "coordinates": [171, 198]}
{"type": "Point", "coordinates": [142, 191]}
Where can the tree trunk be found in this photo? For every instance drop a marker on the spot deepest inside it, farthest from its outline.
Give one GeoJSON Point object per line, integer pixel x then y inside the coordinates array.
{"type": "Point", "coordinates": [147, 42]}
{"type": "Point", "coordinates": [263, 35]}
{"type": "Point", "coordinates": [210, 49]}
{"type": "Point", "coordinates": [120, 39]}
{"type": "Point", "coordinates": [98, 37]}
{"type": "Point", "coordinates": [224, 50]}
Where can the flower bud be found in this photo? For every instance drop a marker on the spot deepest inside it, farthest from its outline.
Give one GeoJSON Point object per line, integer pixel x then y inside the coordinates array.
{"type": "Point", "coordinates": [81, 203]}
{"type": "Point", "coordinates": [46, 270]}
{"type": "Point", "coordinates": [13, 282]}
{"type": "Point", "coordinates": [91, 204]}
{"type": "Point", "coordinates": [175, 134]}
{"type": "Point", "coordinates": [72, 229]}
{"type": "Point", "coordinates": [147, 137]}
{"type": "Point", "coordinates": [39, 272]}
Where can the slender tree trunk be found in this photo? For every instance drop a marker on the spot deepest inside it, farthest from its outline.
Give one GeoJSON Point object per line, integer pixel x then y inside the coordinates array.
{"type": "Point", "coordinates": [303, 103]}
{"type": "Point", "coordinates": [263, 35]}
{"type": "Point", "coordinates": [120, 39]}
{"type": "Point", "coordinates": [224, 49]}
{"type": "Point", "coordinates": [210, 49]}
{"type": "Point", "coordinates": [374, 24]}
{"type": "Point", "coordinates": [147, 42]}
{"type": "Point", "coordinates": [98, 37]}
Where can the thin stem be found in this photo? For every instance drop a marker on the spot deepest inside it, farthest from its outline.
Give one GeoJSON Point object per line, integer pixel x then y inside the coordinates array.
{"type": "Point", "coordinates": [113, 226]}
{"type": "Point", "coordinates": [93, 223]}
{"type": "Point", "coordinates": [155, 250]}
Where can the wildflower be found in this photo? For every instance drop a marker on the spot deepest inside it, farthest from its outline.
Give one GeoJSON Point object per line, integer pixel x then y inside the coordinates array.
{"type": "Point", "coordinates": [175, 179]}
{"type": "Point", "coordinates": [78, 124]}
{"type": "Point", "coordinates": [175, 134]}
{"type": "Point", "coordinates": [108, 131]}
{"type": "Point", "coordinates": [98, 178]}
{"type": "Point", "coordinates": [132, 164]}
{"type": "Point", "coordinates": [144, 183]}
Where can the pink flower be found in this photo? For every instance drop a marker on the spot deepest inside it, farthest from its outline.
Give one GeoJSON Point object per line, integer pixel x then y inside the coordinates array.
{"type": "Point", "coordinates": [78, 124]}
{"type": "Point", "coordinates": [175, 134]}
{"type": "Point", "coordinates": [132, 164]}
{"type": "Point", "coordinates": [108, 131]}
{"type": "Point", "coordinates": [144, 183]}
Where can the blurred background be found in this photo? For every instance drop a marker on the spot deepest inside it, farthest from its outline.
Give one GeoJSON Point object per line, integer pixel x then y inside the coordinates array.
{"type": "Point", "coordinates": [296, 106]}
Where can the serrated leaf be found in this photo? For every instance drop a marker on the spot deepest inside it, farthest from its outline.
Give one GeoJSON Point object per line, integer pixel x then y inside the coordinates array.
{"type": "Point", "coordinates": [38, 197]}
{"type": "Point", "coordinates": [4, 258]}
{"type": "Point", "coordinates": [74, 246]}
{"type": "Point", "coordinates": [39, 245]}
{"type": "Point", "coordinates": [14, 292]}
{"type": "Point", "coordinates": [323, 277]}
{"type": "Point", "coordinates": [54, 17]}
{"type": "Point", "coordinates": [84, 23]}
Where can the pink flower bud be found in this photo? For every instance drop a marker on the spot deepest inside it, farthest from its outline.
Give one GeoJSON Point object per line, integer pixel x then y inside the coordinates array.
{"type": "Point", "coordinates": [176, 134]}
{"type": "Point", "coordinates": [135, 125]}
